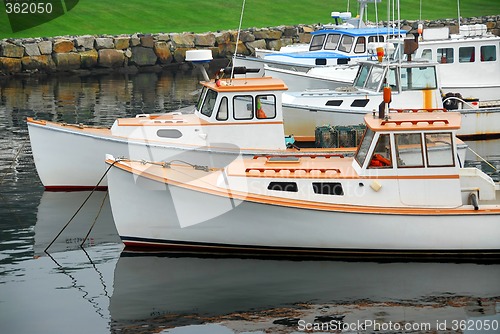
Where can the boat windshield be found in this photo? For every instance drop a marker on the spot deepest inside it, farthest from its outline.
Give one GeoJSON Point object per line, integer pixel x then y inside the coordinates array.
{"type": "Point", "coordinates": [364, 146]}
{"type": "Point", "coordinates": [359, 81]}
{"type": "Point", "coordinates": [369, 77]}
{"type": "Point", "coordinates": [418, 78]}
{"type": "Point", "coordinates": [209, 103]}
{"type": "Point", "coordinates": [317, 42]}
{"type": "Point", "coordinates": [200, 98]}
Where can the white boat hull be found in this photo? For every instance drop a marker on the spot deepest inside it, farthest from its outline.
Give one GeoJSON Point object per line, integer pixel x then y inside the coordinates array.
{"type": "Point", "coordinates": [299, 120]}
{"type": "Point", "coordinates": [161, 215]}
{"type": "Point", "coordinates": [314, 78]}
{"type": "Point", "coordinates": [56, 152]}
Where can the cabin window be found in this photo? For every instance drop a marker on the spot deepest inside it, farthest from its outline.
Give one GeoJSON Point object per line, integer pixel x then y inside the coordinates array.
{"type": "Point", "coordinates": [418, 78]}
{"type": "Point", "coordinates": [488, 53]}
{"type": "Point", "coordinates": [409, 150]}
{"type": "Point", "coordinates": [362, 75]}
{"type": "Point", "coordinates": [328, 188]}
{"type": "Point", "coordinates": [378, 38]}
{"type": "Point", "coordinates": [375, 78]}
{"type": "Point", "coordinates": [466, 54]}
{"type": "Point", "coordinates": [332, 41]}
{"type": "Point", "coordinates": [346, 43]}
{"type": "Point", "coordinates": [445, 56]}
{"type": "Point", "coordinates": [360, 45]}
{"type": "Point", "coordinates": [363, 148]}
{"type": "Point", "coordinates": [392, 78]}
{"type": "Point", "coordinates": [316, 42]}
{"type": "Point", "coordinates": [222, 113]}
{"type": "Point", "coordinates": [169, 133]}
{"type": "Point", "coordinates": [200, 99]}
{"type": "Point", "coordinates": [208, 105]}
{"type": "Point", "coordinates": [381, 157]}
{"type": "Point", "coordinates": [426, 54]}
{"type": "Point", "coordinates": [283, 186]}
{"type": "Point", "coordinates": [439, 149]}
{"type": "Point", "coordinates": [265, 106]}
{"type": "Point", "coordinates": [243, 107]}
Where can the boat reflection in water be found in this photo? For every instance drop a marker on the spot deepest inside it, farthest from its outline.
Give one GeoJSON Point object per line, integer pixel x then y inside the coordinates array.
{"type": "Point", "coordinates": [56, 209]}
{"type": "Point", "coordinates": [172, 289]}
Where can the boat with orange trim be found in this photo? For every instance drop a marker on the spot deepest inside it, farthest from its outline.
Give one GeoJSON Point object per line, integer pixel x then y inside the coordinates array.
{"type": "Point", "coordinates": [420, 203]}
{"type": "Point", "coordinates": [233, 116]}
{"type": "Point", "coordinates": [230, 119]}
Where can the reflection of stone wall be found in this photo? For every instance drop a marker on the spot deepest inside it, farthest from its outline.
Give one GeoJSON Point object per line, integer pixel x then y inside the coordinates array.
{"type": "Point", "coordinates": [132, 53]}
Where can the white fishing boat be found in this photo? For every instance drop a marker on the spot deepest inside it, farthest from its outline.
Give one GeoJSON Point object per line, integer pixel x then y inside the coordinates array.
{"type": "Point", "coordinates": [469, 63]}
{"type": "Point", "coordinates": [233, 117]}
{"type": "Point", "coordinates": [414, 85]}
{"type": "Point", "coordinates": [469, 67]}
{"type": "Point", "coordinates": [340, 44]}
{"type": "Point", "coordinates": [380, 200]}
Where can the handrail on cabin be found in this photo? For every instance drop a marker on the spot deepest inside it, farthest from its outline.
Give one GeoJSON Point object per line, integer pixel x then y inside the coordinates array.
{"type": "Point", "coordinates": [408, 110]}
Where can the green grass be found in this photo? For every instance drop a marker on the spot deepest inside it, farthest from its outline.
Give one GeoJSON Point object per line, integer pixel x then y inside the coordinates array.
{"type": "Point", "coordinates": [153, 16]}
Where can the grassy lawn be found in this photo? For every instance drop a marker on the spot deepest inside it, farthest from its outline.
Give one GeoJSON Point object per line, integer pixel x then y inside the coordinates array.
{"type": "Point", "coordinates": [153, 16]}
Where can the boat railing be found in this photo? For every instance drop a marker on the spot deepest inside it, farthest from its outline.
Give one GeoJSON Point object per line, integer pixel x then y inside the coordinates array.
{"type": "Point", "coordinates": [409, 110]}
{"type": "Point", "coordinates": [295, 158]}
{"type": "Point", "coordinates": [290, 172]}
{"type": "Point", "coordinates": [414, 122]}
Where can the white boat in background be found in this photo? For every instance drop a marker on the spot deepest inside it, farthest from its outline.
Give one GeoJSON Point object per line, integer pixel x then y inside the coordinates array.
{"type": "Point", "coordinates": [335, 45]}
{"type": "Point", "coordinates": [403, 192]}
{"type": "Point", "coordinates": [414, 85]}
{"type": "Point", "coordinates": [233, 117]}
{"type": "Point", "coordinates": [469, 67]}
{"type": "Point", "coordinates": [469, 63]}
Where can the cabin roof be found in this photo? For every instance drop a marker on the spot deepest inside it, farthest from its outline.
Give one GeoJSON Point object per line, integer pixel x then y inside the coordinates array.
{"type": "Point", "coordinates": [361, 31]}
{"type": "Point", "coordinates": [408, 121]}
{"type": "Point", "coordinates": [247, 84]}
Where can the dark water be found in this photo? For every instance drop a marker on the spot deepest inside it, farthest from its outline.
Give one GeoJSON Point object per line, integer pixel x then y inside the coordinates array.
{"type": "Point", "coordinates": [102, 289]}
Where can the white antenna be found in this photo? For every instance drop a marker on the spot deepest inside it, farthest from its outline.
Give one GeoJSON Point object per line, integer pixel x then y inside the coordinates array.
{"type": "Point", "coordinates": [237, 41]}
{"type": "Point", "coordinates": [458, 6]}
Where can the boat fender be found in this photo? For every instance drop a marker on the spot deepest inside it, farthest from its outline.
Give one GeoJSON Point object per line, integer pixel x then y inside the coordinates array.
{"type": "Point", "coordinates": [473, 201]}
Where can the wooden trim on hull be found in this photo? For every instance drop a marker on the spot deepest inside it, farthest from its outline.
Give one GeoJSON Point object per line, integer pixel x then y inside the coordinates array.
{"type": "Point", "coordinates": [145, 244]}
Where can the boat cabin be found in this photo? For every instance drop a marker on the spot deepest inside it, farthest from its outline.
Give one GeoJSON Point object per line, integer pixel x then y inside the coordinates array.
{"type": "Point", "coordinates": [404, 160]}
{"type": "Point", "coordinates": [469, 62]}
{"type": "Point", "coordinates": [400, 76]}
{"type": "Point", "coordinates": [424, 141]}
{"type": "Point", "coordinates": [338, 46]}
{"type": "Point", "coordinates": [243, 112]}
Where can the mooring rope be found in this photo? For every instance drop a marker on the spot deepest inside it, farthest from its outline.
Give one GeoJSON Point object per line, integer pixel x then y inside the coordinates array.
{"type": "Point", "coordinates": [81, 206]}
{"type": "Point", "coordinates": [95, 219]}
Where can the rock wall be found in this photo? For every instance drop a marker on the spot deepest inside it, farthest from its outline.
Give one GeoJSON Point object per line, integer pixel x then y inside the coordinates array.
{"type": "Point", "coordinates": [152, 52]}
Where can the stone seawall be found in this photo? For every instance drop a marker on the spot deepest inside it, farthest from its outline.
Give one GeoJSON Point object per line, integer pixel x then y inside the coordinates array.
{"type": "Point", "coordinates": [152, 52]}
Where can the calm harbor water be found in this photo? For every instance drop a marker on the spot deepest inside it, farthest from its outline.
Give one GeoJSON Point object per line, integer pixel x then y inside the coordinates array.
{"type": "Point", "coordinates": [102, 288]}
